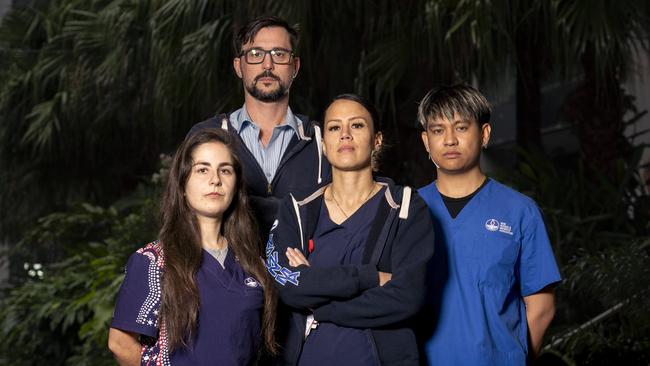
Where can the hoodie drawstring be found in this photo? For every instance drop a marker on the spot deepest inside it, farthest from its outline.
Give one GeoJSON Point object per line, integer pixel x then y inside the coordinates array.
{"type": "Point", "coordinates": [319, 145]}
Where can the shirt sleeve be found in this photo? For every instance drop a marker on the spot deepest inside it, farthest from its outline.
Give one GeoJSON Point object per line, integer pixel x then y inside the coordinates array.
{"type": "Point", "coordinates": [537, 265]}
{"type": "Point", "coordinates": [138, 300]}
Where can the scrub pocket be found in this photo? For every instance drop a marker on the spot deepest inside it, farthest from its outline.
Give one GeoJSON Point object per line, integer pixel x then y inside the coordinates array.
{"type": "Point", "coordinates": [491, 247]}
{"type": "Point", "coordinates": [494, 257]}
{"type": "Point", "coordinates": [499, 248]}
{"type": "Point", "coordinates": [253, 289]}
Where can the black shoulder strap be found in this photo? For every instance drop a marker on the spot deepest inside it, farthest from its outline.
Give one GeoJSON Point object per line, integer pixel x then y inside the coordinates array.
{"type": "Point", "coordinates": [375, 230]}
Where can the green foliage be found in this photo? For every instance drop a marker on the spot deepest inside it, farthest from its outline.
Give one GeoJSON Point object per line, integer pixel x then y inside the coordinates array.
{"type": "Point", "coordinates": [99, 88]}
{"type": "Point", "coordinates": [92, 91]}
{"type": "Point", "coordinates": [63, 317]}
{"type": "Point", "coordinates": [600, 230]}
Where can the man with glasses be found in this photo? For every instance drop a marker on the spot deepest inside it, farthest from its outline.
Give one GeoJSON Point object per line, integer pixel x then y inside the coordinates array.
{"type": "Point", "coordinates": [279, 150]}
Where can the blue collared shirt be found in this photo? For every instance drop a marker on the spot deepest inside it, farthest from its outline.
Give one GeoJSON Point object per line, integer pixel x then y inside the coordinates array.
{"type": "Point", "coordinates": [268, 157]}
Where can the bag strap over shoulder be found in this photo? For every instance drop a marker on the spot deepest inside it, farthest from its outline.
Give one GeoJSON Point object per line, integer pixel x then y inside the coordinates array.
{"type": "Point", "coordinates": [406, 202]}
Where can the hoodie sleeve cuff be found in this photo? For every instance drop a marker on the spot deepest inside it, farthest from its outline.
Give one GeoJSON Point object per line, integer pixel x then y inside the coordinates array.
{"type": "Point", "coordinates": [368, 277]}
{"type": "Point", "coordinates": [323, 313]}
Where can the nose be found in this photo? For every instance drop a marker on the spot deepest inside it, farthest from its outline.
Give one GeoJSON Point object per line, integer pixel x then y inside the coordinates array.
{"type": "Point", "coordinates": [345, 133]}
{"type": "Point", "coordinates": [267, 62]}
{"type": "Point", "coordinates": [450, 138]}
{"type": "Point", "coordinates": [215, 180]}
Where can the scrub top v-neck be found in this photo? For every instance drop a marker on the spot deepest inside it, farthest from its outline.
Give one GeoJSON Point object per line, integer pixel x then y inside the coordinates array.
{"type": "Point", "coordinates": [343, 244]}
{"type": "Point", "coordinates": [229, 319]}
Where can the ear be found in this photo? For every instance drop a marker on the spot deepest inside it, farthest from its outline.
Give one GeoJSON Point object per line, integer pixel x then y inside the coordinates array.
{"type": "Point", "coordinates": [379, 139]}
{"type": "Point", "coordinates": [425, 141]}
{"type": "Point", "coordinates": [323, 147]}
{"type": "Point", "coordinates": [236, 64]}
{"type": "Point", "coordinates": [486, 130]}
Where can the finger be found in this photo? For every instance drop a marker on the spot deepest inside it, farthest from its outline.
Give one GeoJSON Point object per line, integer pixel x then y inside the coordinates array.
{"type": "Point", "coordinates": [298, 256]}
{"type": "Point", "coordinates": [293, 262]}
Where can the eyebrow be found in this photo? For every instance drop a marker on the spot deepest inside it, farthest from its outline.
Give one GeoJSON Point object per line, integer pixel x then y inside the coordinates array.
{"type": "Point", "coordinates": [456, 122]}
{"type": "Point", "coordinates": [340, 120]}
{"type": "Point", "coordinates": [205, 163]}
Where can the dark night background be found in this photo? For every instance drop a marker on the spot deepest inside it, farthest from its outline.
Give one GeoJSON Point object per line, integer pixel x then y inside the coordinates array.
{"type": "Point", "coordinates": [95, 94]}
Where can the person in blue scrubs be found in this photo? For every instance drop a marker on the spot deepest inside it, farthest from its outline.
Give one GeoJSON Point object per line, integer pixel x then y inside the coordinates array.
{"type": "Point", "coordinates": [350, 259]}
{"type": "Point", "coordinates": [493, 270]}
{"type": "Point", "coordinates": [200, 295]}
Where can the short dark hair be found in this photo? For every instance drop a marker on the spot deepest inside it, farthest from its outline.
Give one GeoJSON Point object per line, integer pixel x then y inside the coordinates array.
{"type": "Point", "coordinates": [461, 99]}
{"type": "Point", "coordinates": [374, 113]}
{"type": "Point", "coordinates": [248, 32]}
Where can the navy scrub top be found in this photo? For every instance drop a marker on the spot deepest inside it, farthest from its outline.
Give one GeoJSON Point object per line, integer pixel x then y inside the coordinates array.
{"type": "Point", "coordinates": [229, 324]}
{"type": "Point", "coordinates": [330, 344]}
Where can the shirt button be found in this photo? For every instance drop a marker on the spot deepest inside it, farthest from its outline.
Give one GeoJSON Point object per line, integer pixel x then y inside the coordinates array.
{"type": "Point", "coordinates": [268, 175]}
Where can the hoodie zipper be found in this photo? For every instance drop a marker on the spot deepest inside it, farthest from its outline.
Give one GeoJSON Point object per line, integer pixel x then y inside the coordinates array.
{"type": "Point", "coordinates": [373, 345]}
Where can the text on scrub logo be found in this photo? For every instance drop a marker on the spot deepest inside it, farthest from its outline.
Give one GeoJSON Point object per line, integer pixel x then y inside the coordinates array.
{"type": "Point", "coordinates": [495, 225]}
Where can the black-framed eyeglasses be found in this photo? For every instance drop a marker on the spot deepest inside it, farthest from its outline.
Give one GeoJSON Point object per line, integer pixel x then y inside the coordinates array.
{"type": "Point", "coordinates": [279, 56]}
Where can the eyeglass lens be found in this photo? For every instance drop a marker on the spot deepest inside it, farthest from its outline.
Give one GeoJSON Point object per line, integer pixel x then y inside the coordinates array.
{"type": "Point", "coordinates": [278, 55]}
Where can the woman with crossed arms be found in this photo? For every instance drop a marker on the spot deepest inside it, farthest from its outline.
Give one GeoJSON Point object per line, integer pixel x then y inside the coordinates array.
{"type": "Point", "coordinates": [349, 260]}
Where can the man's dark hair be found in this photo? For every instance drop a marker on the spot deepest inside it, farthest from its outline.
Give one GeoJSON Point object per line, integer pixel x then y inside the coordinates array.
{"type": "Point", "coordinates": [460, 99]}
{"type": "Point", "coordinates": [248, 32]}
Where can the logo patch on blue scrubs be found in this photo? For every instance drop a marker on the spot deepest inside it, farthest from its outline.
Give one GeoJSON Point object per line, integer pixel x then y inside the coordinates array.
{"type": "Point", "coordinates": [251, 282]}
{"type": "Point", "coordinates": [492, 225]}
{"type": "Point", "coordinates": [495, 225]}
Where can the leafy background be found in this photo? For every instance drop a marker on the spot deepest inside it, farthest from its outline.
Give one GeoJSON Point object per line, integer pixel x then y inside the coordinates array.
{"type": "Point", "coordinates": [93, 92]}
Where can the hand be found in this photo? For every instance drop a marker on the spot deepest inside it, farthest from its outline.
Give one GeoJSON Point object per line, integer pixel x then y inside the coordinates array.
{"type": "Point", "coordinates": [296, 257]}
{"type": "Point", "coordinates": [384, 277]}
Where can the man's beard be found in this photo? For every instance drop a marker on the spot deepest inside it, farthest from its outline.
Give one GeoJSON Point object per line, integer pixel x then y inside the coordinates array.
{"type": "Point", "coordinates": [267, 97]}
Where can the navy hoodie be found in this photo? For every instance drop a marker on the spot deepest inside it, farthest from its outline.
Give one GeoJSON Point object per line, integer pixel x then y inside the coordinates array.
{"type": "Point", "coordinates": [301, 170]}
{"type": "Point", "coordinates": [400, 242]}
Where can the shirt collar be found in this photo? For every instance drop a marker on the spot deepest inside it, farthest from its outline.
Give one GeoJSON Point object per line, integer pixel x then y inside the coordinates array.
{"type": "Point", "coordinates": [241, 119]}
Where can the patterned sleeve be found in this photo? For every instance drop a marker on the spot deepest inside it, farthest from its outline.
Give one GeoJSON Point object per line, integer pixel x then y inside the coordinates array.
{"type": "Point", "coordinates": [138, 300]}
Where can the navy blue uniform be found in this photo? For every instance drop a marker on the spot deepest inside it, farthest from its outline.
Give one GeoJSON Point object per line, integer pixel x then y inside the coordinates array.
{"type": "Point", "coordinates": [229, 324]}
{"type": "Point", "coordinates": [302, 169]}
{"type": "Point", "coordinates": [399, 241]}
{"type": "Point", "coordinates": [335, 245]}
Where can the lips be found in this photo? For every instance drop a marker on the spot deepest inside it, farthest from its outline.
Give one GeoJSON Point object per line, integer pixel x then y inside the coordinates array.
{"type": "Point", "coordinates": [214, 195]}
{"type": "Point", "coordinates": [266, 77]}
{"type": "Point", "coordinates": [451, 154]}
{"type": "Point", "coordinates": [266, 80]}
{"type": "Point", "coordinates": [345, 148]}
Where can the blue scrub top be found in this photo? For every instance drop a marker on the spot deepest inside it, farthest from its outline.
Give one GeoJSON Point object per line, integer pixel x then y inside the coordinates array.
{"type": "Point", "coordinates": [495, 252]}
{"type": "Point", "coordinates": [229, 324]}
{"type": "Point", "coordinates": [330, 344]}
